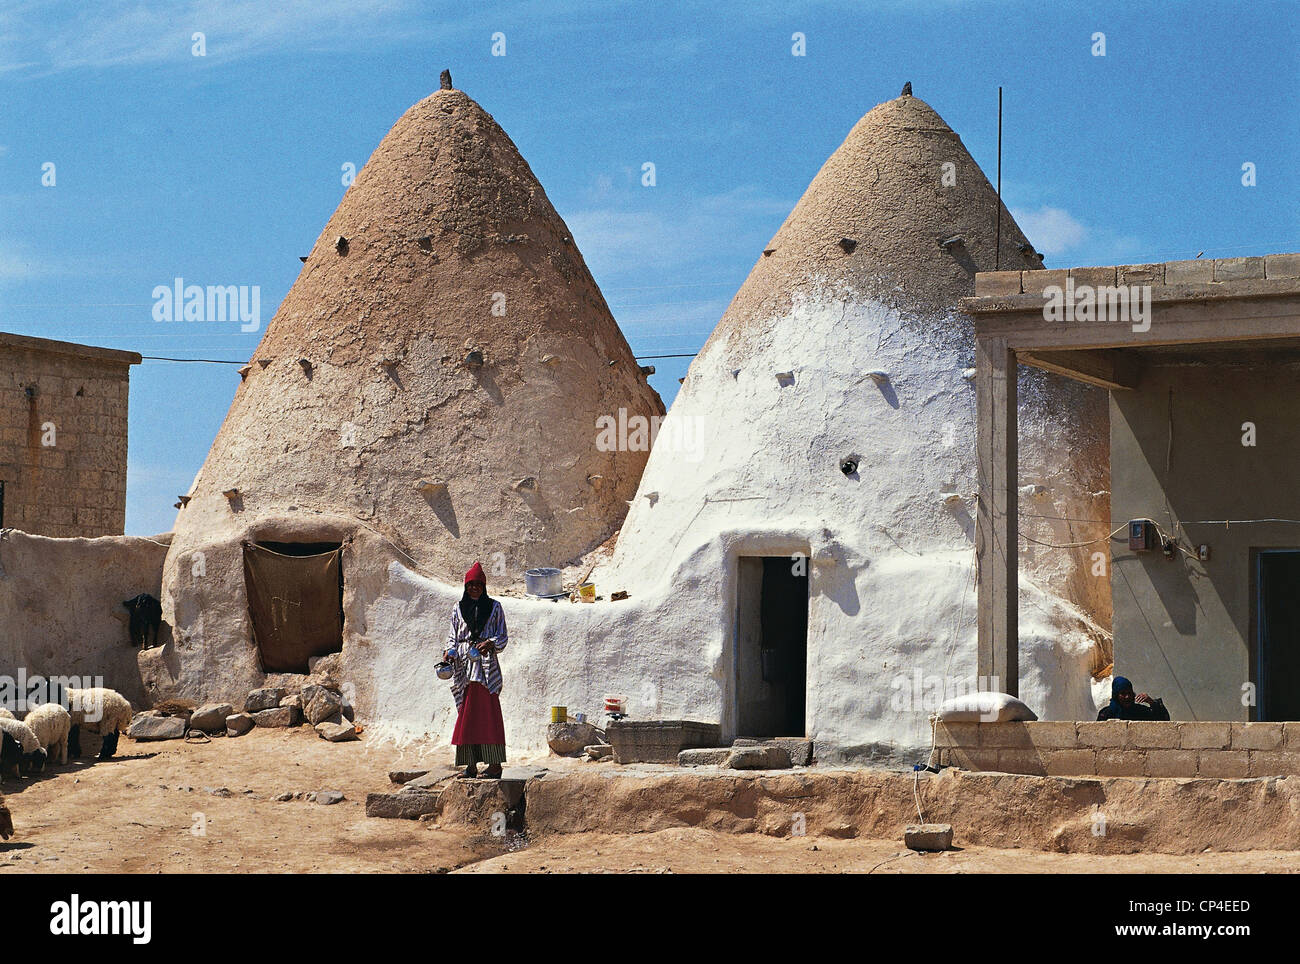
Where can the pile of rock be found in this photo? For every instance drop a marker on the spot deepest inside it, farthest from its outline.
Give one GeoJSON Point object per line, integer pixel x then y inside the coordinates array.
{"type": "Point", "coordinates": [780, 753]}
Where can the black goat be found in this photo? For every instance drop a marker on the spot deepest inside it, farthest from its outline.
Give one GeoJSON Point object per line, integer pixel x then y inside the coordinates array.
{"type": "Point", "coordinates": [146, 615]}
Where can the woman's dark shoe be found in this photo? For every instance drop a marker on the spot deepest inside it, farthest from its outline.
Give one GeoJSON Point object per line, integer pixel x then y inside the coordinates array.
{"type": "Point", "coordinates": [471, 772]}
{"type": "Point", "coordinates": [493, 772]}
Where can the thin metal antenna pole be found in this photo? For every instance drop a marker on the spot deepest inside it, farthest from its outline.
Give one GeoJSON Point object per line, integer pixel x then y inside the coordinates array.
{"type": "Point", "coordinates": [997, 252]}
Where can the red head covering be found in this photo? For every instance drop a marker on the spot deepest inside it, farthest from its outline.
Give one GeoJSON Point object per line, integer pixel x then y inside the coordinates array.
{"type": "Point", "coordinates": [476, 574]}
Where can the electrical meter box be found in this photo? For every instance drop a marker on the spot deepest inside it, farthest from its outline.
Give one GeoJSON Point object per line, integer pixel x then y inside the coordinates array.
{"type": "Point", "coordinates": [1142, 536]}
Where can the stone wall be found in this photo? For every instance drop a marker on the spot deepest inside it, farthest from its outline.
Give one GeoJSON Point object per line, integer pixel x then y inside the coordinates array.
{"type": "Point", "coordinates": [63, 437]}
{"type": "Point", "coordinates": [1168, 273]}
{"type": "Point", "coordinates": [1121, 748]}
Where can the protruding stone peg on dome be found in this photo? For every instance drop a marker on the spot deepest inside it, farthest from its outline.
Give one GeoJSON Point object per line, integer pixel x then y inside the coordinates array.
{"type": "Point", "coordinates": [907, 90]}
{"type": "Point", "coordinates": [444, 80]}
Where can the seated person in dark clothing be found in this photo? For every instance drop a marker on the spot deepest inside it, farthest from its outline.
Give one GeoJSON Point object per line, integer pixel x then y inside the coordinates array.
{"type": "Point", "coordinates": [1124, 705]}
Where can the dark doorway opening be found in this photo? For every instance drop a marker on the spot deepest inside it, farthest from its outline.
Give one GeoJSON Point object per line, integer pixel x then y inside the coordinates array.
{"type": "Point", "coordinates": [295, 601]}
{"type": "Point", "coordinates": [772, 646]}
{"type": "Point", "coordinates": [1277, 664]}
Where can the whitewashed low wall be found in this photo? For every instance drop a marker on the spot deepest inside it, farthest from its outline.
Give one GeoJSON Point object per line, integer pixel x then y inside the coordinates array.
{"type": "Point", "coordinates": [878, 663]}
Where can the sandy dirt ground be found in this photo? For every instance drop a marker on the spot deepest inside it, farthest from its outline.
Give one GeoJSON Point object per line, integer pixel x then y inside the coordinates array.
{"type": "Point", "coordinates": [210, 807]}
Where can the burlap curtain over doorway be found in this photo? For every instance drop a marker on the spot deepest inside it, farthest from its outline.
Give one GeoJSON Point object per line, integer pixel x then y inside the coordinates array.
{"type": "Point", "coordinates": [295, 600]}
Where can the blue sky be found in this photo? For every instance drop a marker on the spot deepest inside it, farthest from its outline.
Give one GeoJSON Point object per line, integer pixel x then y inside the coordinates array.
{"type": "Point", "coordinates": [223, 169]}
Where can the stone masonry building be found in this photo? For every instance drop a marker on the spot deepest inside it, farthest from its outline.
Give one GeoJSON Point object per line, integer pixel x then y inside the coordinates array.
{"type": "Point", "coordinates": [63, 437]}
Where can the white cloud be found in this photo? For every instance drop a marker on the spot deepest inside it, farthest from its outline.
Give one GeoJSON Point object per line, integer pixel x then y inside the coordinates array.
{"type": "Point", "coordinates": [68, 34]}
{"type": "Point", "coordinates": [1052, 231]}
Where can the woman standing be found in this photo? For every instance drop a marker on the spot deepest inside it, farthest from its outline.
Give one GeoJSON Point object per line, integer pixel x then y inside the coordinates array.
{"type": "Point", "coordinates": [478, 633]}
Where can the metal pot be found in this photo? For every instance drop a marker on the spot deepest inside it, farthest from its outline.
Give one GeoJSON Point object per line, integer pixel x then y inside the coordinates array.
{"type": "Point", "coordinates": [543, 582]}
{"type": "Point", "coordinates": [443, 670]}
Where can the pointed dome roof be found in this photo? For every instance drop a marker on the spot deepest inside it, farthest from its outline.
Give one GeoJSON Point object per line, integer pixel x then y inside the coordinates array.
{"type": "Point", "coordinates": [444, 329]}
{"type": "Point", "coordinates": [873, 218]}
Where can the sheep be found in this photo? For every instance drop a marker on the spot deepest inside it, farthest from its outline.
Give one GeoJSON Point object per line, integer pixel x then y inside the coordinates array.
{"type": "Point", "coordinates": [6, 821]}
{"type": "Point", "coordinates": [33, 755]}
{"type": "Point", "coordinates": [51, 723]}
{"type": "Point", "coordinates": [11, 754]}
{"type": "Point", "coordinates": [100, 710]}
{"type": "Point", "coordinates": [5, 714]}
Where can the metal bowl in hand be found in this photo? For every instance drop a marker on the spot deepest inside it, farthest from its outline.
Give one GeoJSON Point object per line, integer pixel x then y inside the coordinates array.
{"type": "Point", "coordinates": [443, 670]}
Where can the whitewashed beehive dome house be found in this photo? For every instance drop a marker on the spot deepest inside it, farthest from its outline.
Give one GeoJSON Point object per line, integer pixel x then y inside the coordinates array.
{"type": "Point", "coordinates": [810, 505]}
{"type": "Point", "coordinates": [425, 394]}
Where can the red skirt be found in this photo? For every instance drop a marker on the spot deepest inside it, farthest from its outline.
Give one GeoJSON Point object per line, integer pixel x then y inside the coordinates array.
{"type": "Point", "coordinates": [479, 720]}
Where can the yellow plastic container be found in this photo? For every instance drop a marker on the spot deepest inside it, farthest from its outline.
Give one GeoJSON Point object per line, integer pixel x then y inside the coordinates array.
{"type": "Point", "coordinates": [559, 714]}
{"type": "Point", "coordinates": [587, 591]}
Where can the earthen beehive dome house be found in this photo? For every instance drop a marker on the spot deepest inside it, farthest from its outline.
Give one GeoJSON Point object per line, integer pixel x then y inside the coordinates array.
{"type": "Point", "coordinates": [427, 391]}
{"type": "Point", "coordinates": [748, 478]}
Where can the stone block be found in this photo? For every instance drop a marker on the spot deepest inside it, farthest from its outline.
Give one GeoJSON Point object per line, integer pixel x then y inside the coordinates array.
{"type": "Point", "coordinates": [1153, 734]}
{"type": "Point", "coordinates": [1003, 736]}
{"type": "Point", "coordinates": [1053, 734]}
{"type": "Point", "coordinates": [1256, 736]}
{"type": "Point", "coordinates": [211, 717]}
{"type": "Point", "coordinates": [1120, 763]}
{"type": "Point", "coordinates": [404, 805]}
{"type": "Point", "coordinates": [405, 776]}
{"type": "Point", "coordinates": [146, 728]}
{"type": "Point", "coordinates": [1291, 736]}
{"type": "Point", "coordinates": [1140, 274]}
{"type": "Point", "coordinates": [1223, 764]}
{"type": "Point", "coordinates": [1098, 734]}
{"type": "Point", "coordinates": [601, 751]}
{"type": "Point", "coordinates": [1036, 282]}
{"type": "Point", "coordinates": [1171, 763]}
{"type": "Point", "coordinates": [279, 716]}
{"type": "Point", "coordinates": [1238, 269]}
{"type": "Point", "coordinates": [321, 705]}
{"type": "Point", "coordinates": [972, 758]}
{"type": "Point", "coordinates": [336, 732]}
{"type": "Point", "coordinates": [1018, 760]}
{"type": "Point", "coordinates": [997, 283]}
{"type": "Point", "coordinates": [1189, 272]}
{"type": "Point", "coordinates": [237, 724]}
{"type": "Point", "coordinates": [263, 699]}
{"type": "Point", "coordinates": [800, 750]}
{"type": "Point", "coordinates": [928, 836]}
{"type": "Point", "coordinates": [769, 757]}
{"type": "Point", "coordinates": [957, 734]}
{"type": "Point", "coordinates": [1094, 277]}
{"type": "Point", "coordinates": [292, 701]}
{"type": "Point", "coordinates": [1205, 735]}
{"type": "Point", "coordinates": [705, 756]}
{"type": "Point", "coordinates": [569, 739]}
{"type": "Point", "coordinates": [1070, 763]}
{"type": "Point", "coordinates": [1282, 265]}
{"type": "Point", "coordinates": [1274, 763]}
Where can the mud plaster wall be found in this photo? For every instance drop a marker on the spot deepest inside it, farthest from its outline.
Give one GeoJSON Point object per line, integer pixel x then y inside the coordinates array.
{"type": "Point", "coordinates": [77, 486]}
{"type": "Point", "coordinates": [61, 605]}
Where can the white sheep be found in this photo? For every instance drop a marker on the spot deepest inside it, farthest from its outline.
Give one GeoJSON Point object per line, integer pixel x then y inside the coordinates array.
{"type": "Point", "coordinates": [5, 714]}
{"type": "Point", "coordinates": [99, 710]}
{"type": "Point", "coordinates": [32, 753]}
{"type": "Point", "coordinates": [51, 723]}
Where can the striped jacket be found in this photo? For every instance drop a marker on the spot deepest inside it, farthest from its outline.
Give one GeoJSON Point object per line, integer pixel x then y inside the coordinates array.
{"type": "Point", "coordinates": [484, 668]}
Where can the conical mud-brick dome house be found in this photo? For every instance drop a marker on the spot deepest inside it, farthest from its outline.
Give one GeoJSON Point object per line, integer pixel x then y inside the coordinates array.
{"type": "Point", "coordinates": [812, 491]}
{"type": "Point", "coordinates": [428, 392]}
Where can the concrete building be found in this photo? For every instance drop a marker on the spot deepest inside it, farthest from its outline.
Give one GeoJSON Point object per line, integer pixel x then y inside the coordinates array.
{"type": "Point", "coordinates": [1204, 514]}
{"type": "Point", "coordinates": [63, 410]}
